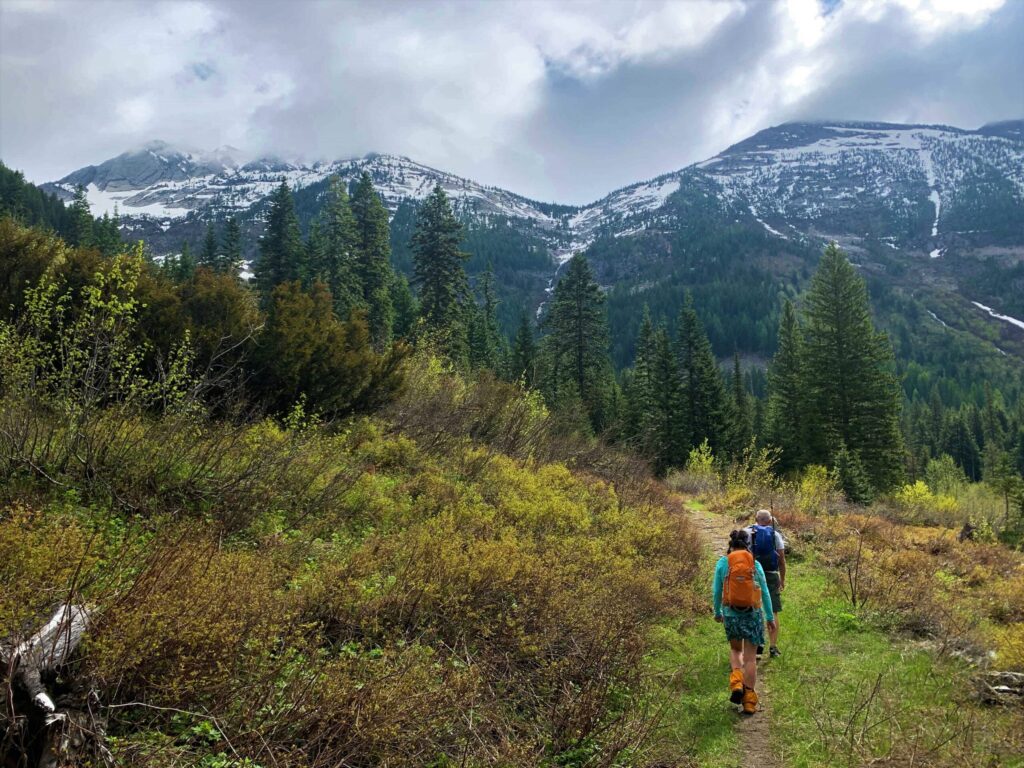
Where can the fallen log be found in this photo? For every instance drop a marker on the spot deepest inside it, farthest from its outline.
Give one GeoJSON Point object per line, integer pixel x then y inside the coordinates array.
{"type": "Point", "coordinates": [47, 650]}
{"type": "Point", "coordinates": [1005, 688]}
{"type": "Point", "coordinates": [45, 732]}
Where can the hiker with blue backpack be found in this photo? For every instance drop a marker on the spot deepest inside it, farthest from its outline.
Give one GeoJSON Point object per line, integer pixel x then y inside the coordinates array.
{"type": "Point", "coordinates": [769, 549]}
{"type": "Point", "coordinates": [742, 604]}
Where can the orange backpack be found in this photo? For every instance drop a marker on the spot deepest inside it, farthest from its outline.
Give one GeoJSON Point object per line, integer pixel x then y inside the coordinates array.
{"type": "Point", "coordinates": [741, 589]}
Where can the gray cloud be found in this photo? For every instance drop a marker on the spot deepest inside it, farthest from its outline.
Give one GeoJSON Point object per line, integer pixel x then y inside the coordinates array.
{"type": "Point", "coordinates": [556, 100]}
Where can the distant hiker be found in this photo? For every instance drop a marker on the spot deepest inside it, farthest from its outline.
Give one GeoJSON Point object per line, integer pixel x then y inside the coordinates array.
{"type": "Point", "coordinates": [741, 601]}
{"type": "Point", "coordinates": [769, 548]}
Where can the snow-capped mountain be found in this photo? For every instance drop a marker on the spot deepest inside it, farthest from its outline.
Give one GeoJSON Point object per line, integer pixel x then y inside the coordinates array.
{"type": "Point", "coordinates": [158, 181]}
{"type": "Point", "coordinates": [893, 195]}
{"type": "Point", "coordinates": [908, 184]}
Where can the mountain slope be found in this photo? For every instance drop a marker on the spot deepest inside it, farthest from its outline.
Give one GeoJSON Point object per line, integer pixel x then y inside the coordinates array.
{"type": "Point", "coordinates": [934, 210]}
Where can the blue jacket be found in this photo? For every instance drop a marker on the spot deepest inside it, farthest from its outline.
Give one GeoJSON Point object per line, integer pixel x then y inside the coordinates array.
{"type": "Point", "coordinates": [721, 571]}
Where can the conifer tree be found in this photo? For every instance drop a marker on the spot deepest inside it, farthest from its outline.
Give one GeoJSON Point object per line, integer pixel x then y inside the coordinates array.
{"type": "Point", "coordinates": [853, 480]}
{"type": "Point", "coordinates": [665, 422]}
{"type": "Point", "coordinates": [315, 258]}
{"type": "Point", "coordinates": [485, 339]}
{"type": "Point", "coordinates": [577, 343]}
{"type": "Point", "coordinates": [373, 268]}
{"type": "Point", "coordinates": [852, 395]}
{"type": "Point", "coordinates": [405, 308]}
{"type": "Point", "coordinates": [522, 362]}
{"type": "Point", "coordinates": [186, 263]}
{"type": "Point", "coordinates": [81, 219]}
{"type": "Point", "coordinates": [439, 273]}
{"type": "Point", "coordinates": [107, 234]}
{"type": "Point", "coordinates": [231, 248]}
{"type": "Point", "coordinates": [994, 420]}
{"type": "Point", "coordinates": [936, 421]}
{"type": "Point", "coordinates": [783, 419]}
{"type": "Point", "coordinates": [642, 387]}
{"type": "Point", "coordinates": [959, 443]}
{"type": "Point", "coordinates": [1018, 450]}
{"type": "Point", "coordinates": [702, 393]}
{"type": "Point", "coordinates": [208, 256]}
{"type": "Point", "coordinates": [740, 416]}
{"type": "Point", "coordinates": [341, 252]}
{"type": "Point", "coordinates": [281, 249]}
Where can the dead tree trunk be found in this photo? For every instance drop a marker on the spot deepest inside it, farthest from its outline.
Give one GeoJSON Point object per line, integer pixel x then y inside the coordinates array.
{"type": "Point", "coordinates": [47, 732]}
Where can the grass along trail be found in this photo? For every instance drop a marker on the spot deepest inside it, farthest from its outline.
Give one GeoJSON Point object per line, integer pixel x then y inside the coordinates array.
{"type": "Point", "coordinates": [842, 694]}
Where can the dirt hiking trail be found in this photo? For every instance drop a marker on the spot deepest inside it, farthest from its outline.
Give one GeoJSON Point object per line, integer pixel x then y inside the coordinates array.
{"type": "Point", "coordinates": [752, 732]}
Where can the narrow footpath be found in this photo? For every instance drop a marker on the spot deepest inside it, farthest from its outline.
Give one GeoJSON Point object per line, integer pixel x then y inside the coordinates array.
{"type": "Point", "coordinates": [752, 732]}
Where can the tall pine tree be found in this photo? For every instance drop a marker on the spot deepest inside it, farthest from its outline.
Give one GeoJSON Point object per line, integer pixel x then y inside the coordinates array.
{"type": "Point", "coordinates": [439, 273]}
{"type": "Point", "coordinates": [281, 250]}
{"type": "Point", "coordinates": [523, 358]}
{"type": "Point", "coordinates": [740, 413]}
{"type": "Point", "coordinates": [784, 424]}
{"type": "Point", "coordinates": [486, 343]}
{"type": "Point", "coordinates": [373, 269]}
{"type": "Point", "coordinates": [208, 256]}
{"type": "Point", "coordinates": [702, 394]}
{"type": "Point", "coordinates": [576, 346]}
{"type": "Point", "coordinates": [405, 307]}
{"type": "Point", "coordinates": [81, 219]}
{"type": "Point", "coordinates": [852, 394]}
{"type": "Point", "coordinates": [642, 416]}
{"type": "Point", "coordinates": [340, 256]}
{"type": "Point", "coordinates": [231, 248]}
{"type": "Point", "coordinates": [665, 423]}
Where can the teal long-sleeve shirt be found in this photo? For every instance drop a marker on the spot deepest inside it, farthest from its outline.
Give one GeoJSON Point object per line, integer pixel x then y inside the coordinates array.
{"type": "Point", "coordinates": [721, 571]}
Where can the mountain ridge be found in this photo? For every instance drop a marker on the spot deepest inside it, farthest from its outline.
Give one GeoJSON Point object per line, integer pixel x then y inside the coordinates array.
{"type": "Point", "coordinates": [944, 202]}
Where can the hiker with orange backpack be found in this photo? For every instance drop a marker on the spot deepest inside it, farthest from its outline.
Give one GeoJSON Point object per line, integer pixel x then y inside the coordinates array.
{"type": "Point", "coordinates": [742, 603]}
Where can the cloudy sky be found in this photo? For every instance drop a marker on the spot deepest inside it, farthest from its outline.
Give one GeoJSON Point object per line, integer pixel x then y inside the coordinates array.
{"type": "Point", "coordinates": [555, 100]}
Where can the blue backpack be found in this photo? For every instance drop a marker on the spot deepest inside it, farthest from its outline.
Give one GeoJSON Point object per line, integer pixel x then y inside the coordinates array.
{"type": "Point", "coordinates": [763, 547]}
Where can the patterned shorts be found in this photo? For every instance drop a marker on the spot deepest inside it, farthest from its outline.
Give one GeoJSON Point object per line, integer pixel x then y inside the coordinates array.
{"type": "Point", "coordinates": [747, 625]}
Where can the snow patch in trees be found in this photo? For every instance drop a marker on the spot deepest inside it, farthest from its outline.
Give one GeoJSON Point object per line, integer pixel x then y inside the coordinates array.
{"type": "Point", "coordinates": [763, 223]}
{"type": "Point", "coordinates": [928, 165]}
{"type": "Point", "coordinates": [1004, 318]}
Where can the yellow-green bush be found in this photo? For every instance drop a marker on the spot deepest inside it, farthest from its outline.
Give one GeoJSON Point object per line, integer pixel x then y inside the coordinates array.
{"type": "Point", "coordinates": [356, 594]}
{"type": "Point", "coordinates": [45, 559]}
{"type": "Point", "coordinates": [1009, 643]}
{"type": "Point", "coordinates": [817, 490]}
{"type": "Point", "coordinates": [919, 504]}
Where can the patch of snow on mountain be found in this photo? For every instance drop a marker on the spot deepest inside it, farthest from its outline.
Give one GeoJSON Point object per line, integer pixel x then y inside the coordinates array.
{"type": "Point", "coordinates": [631, 201]}
{"type": "Point", "coordinates": [935, 253]}
{"type": "Point", "coordinates": [101, 202]}
{"type": "Point", "coordinates": [763, 223]}
{"type": "Point", "coordinates": [929, 174]}
{"type": "Point", "coordinates": [937, 319]}
{"type": "Point", "coordinates": [1004, 318]}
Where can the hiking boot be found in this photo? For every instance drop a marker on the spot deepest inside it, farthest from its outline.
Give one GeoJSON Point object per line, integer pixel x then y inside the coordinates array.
{"type": "Point", "coordinates": [760, 651]}
{"type": "Point", "coordinates": [749, 701]}
{"type": "Point", "coordinates": [774, 652]}
{"type": "Point", "coordinates": [736, 686]}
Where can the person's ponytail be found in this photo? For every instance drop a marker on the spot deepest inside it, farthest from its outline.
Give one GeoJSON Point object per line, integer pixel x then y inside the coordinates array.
{"type": "Point", "coordinates": [739, 539]}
